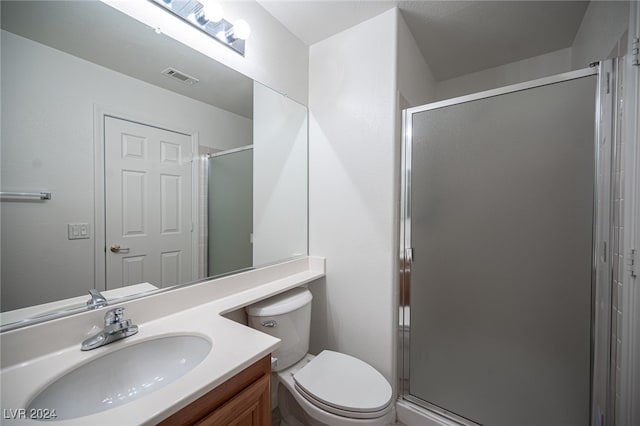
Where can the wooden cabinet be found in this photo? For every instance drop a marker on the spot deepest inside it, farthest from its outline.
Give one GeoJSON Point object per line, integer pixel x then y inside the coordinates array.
{"type": "Point", "coordinates": [243, 400]}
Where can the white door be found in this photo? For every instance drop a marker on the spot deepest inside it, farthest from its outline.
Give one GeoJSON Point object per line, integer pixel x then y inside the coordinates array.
{"type": "Point", "coordinates": [148, 205]}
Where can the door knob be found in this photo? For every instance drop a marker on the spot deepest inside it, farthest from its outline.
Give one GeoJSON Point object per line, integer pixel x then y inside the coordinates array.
{"type": "Point", "coordinates": [115, 248]}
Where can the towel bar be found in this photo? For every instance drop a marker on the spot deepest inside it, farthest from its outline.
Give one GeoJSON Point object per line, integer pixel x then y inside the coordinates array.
{"type": "Point", "coordinates": [40, 195]}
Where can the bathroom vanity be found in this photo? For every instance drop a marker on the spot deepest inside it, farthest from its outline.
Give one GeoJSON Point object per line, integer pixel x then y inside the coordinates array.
{"type": "Point", "coordinates": [231, 380]}
{"type": "Point", "coordinates": [244, 399]}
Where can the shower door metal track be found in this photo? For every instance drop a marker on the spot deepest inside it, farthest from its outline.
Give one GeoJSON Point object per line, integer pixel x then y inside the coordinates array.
{"type": "Point", "coordinates": [558, 78]}
{"type": "Point", "coordinates": [601, 269]}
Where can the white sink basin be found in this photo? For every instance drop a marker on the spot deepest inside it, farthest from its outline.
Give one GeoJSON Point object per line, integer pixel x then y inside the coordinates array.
{"type": "Point", "coordinates": [121, 376]}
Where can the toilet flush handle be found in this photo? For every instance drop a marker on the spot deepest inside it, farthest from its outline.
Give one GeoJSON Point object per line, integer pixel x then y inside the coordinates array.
{"type": "Point", "coordinates": [269, 323]}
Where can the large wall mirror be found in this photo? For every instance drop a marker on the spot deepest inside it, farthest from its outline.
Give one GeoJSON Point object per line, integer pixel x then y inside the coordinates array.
{"type": "Point", "coordinates": [163, 166]}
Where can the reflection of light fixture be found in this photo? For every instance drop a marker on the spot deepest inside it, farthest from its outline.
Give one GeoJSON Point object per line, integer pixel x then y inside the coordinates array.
{"type": "Point", "coordinates": [206, 15]}
{"type": "Point", "coordinates": [240, 30]}
{"type": "Point", "coordinates": [211, 11]}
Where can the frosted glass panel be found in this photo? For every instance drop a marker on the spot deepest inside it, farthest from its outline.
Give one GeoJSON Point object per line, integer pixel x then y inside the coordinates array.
{"type": "Point", "coordinates": [230, 212]}
{"type": "Point", "coordinates": [501, 227]}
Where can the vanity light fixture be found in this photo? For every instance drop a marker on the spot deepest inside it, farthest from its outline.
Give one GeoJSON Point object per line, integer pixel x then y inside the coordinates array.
{"type": "Point", "coordinates": [206, 15]}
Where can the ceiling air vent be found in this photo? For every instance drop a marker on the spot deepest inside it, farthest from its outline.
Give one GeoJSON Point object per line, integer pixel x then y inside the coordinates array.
{"type": "Point", "coordinates": [180, 76]}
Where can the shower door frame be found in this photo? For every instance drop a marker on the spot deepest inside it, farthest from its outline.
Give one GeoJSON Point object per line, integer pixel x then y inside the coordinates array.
{"type": "Point", "coordinates": [601, 411]}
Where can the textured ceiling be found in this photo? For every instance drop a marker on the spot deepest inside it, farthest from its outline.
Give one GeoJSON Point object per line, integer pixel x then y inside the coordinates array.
{"type": "Point", "coordinates": [455, 37]}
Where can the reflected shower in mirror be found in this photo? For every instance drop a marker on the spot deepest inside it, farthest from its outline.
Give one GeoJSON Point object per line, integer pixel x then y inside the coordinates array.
{"type": "Point", "coordinates": [230, 207]}
{"type": "Point", "coordinates": [120, 126]}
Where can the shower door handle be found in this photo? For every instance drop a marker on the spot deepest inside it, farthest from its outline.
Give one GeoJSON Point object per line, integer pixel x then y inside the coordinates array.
{"type": "Point", "coordinates": [408, 255]}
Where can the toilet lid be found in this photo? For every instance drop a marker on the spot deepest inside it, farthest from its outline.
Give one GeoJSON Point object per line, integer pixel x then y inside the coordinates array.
{"type": "Point", "coordinates": [344, 382]}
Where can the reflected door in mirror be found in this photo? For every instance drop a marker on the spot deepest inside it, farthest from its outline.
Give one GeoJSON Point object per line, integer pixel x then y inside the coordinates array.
{"type": "Point", "coordinates": [148, 205]}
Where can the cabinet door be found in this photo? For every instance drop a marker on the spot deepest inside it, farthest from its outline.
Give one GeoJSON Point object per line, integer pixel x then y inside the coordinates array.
{"type": "Point", "coordinates": [251, 407]}
{"type": "Point", "coordinates": [246, 386]}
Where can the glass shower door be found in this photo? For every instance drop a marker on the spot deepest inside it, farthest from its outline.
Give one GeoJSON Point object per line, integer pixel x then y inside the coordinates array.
{"type": "Point", "coordinates": [230, 211]}
{"type": "Point", "coordinates": [500, 221]}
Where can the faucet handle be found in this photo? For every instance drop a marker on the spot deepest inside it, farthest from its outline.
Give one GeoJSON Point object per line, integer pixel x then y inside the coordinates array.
{"type": "Point", "coordinates": [113, 316]}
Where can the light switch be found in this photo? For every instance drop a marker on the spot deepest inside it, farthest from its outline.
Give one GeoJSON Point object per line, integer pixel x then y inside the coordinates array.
{"type": "Point", "coordinates": [78, 231]}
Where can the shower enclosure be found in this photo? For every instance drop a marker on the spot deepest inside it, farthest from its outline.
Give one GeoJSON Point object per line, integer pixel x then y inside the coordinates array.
{"type": "Point", "coordinates": [230, 210]}
{"type": "Point", "coordinates": [504, 282]}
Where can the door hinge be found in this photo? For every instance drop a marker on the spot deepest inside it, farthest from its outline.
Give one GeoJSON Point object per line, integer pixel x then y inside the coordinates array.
{"type": "Point", "coordinates": [608, 83]}
{"type": "Point", "coordinates": [635, 51]}
{"type": "Point", "coordinates": [633, 263]}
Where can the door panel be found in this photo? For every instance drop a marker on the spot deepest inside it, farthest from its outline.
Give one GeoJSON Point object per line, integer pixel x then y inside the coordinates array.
{"type": "Point", "coordinates": [170, 203]}
{"type": "Point", "coordinates": [501, 230]}
{"type": "Point", "coordinates": [148, 204]}
{"type": "Point", "coordinates": [132, 270]}
{"type": "Point", "coordinates": [171, 262]}
{"type": "Point", "coordinates": [133, 202]}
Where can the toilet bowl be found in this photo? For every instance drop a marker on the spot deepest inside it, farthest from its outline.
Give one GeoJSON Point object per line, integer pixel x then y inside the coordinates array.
{"type": "Point", "coordinates": [332, 388]}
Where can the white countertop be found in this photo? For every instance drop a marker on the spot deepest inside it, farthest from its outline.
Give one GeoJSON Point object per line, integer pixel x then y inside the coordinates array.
{"type": "Point", "coordinates": [28, 367]}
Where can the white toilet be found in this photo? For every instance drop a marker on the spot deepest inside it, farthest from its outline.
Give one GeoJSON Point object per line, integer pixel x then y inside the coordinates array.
{"type": "Point", "coordinates": [330, 389]}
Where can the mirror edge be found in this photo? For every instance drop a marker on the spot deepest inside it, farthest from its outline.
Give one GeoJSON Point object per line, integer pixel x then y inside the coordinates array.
{"type": "Point", "coordinates": [39, 319]}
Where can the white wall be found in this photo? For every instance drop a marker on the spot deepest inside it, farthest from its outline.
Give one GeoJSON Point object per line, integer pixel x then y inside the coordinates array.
{"type": "Point", "coordinates": [274, 56]}
{"type": "Point", "coordinates": [353, 196]}
{"type": "Point", "coordinates": [416, 83]}
{"type": "Point", "coordinates": [279, 177]}
{"type": "Point", "coordinates": [48, 100]}
{"type": "Point", "coordinates": [602, 27]}
{"type": "Point", "coordinates": [516, 72]}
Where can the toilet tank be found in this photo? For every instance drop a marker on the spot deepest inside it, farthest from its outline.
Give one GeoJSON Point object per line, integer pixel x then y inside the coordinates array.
{"type": "Point", "coordinates": [286, 316]}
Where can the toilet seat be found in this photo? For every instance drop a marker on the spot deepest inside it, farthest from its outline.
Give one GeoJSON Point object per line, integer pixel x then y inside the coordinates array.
{"type": "Point", "coordinates": [344, 385]}
{"type": "Point", "coordinates": [339, 412]}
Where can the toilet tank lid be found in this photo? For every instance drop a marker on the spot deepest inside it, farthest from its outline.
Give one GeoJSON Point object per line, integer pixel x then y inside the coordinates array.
{"type": "Point", "coordinates": [280, 304]}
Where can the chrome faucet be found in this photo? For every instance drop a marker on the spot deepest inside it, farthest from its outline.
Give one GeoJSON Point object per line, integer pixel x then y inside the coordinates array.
{"type": "Point", "coordinates": [97, 300]}
{"type": "Point", "coordinates": [115, 328]}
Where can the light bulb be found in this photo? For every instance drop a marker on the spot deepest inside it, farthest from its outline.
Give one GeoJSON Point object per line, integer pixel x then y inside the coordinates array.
{"type": "Point", "coordinates": [212, 10]}
{"type": "Point", "coordinates": [241, 29]}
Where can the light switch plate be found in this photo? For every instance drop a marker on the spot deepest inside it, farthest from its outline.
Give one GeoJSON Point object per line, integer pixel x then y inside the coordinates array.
{"type": "Point", "coordinates": [78, 231]}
